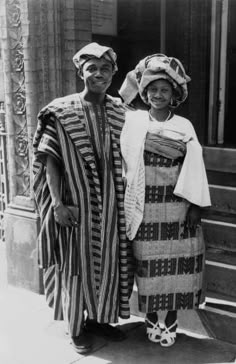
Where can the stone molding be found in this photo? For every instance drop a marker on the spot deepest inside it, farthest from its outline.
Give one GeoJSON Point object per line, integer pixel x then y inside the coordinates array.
{"type": "Point", "coordinates": [39, 39]}
{"type": "Point", "coordinates": [16, 80]}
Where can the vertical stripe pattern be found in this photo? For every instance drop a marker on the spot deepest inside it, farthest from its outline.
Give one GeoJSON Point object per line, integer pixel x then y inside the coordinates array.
{"type": "Point", "coordinates": [93, 260]}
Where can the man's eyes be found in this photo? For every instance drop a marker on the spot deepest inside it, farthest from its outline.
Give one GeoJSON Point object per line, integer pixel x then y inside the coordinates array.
{"type": "Point", "coordinates": [91, 69]}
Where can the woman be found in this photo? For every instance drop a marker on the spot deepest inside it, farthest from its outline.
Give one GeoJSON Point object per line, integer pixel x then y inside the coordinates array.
{"type": "Point", "coordinates": [166, 185]}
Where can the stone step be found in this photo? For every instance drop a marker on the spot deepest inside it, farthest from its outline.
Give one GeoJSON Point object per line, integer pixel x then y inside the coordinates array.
{"type": "Point", "coordinates": [220, 304]}
{"type": "Point", "coordinates": [220, 279]}
{"type": "Point", "coordinates": [219, 320]}
{"type": "Point", "coordinates": [219, 216]}
{"type": "Point", "coordinates": [221, 178]}
{"type": "Point", "coordinates": [220, 159]}
{"type": "Point", "coordinates": [223, 198]}
{"type": "Point", "coordinates": [220, 234]}
{"type": "Point", "coordinates": [220, 165]}
{"type": "Point", "coordinates": [221, 256]}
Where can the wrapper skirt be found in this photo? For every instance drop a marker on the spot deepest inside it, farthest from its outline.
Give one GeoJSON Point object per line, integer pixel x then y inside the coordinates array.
{"type": "Point", "coordinates": [169, 256]}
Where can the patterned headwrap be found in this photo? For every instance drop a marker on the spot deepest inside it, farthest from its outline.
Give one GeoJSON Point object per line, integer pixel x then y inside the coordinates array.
{"type": "Point", "coordinates": [94, 50]}
{"type": "Point", "coordinates": [151, 68]}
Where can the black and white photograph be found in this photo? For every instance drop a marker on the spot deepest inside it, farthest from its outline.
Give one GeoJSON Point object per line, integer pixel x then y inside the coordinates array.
{"type": "Point", "coordinates": [117, 182]}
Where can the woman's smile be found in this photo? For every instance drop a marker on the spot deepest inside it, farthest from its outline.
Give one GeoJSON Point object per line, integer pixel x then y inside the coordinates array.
{"type": "Point", "coordinates": [159, 93]}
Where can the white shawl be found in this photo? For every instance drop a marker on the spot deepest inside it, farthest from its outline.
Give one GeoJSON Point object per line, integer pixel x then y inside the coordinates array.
{"type": "Point", "coordinates": [192, 183]}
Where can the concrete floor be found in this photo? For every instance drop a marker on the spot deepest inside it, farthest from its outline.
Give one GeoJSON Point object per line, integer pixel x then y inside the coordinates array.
{"type": "Point", "coordinates": [28, 335]}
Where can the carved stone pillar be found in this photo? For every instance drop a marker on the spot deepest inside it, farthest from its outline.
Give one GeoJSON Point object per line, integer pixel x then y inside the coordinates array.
{"type": "Point", "coordinates": [39, 39]}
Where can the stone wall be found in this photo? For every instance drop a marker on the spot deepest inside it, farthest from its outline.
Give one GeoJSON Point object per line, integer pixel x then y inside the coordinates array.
{"type": "Point", "coordinates": [39, 39]}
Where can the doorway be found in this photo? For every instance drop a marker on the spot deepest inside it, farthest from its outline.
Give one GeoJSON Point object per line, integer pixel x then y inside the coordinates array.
{"type": "Point", "coordinates": [230, 89]}
{"type": "Point", "coordinates": [222, 126]}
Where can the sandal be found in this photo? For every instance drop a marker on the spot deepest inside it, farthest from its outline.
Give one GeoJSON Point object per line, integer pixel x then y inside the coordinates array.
{"type": "Point", "coordinates": [168, 337]}
{"type": "Point", "coordinates": [153, 332]}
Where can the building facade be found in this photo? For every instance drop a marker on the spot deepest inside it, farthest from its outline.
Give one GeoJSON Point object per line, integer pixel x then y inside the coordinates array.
{"type": "Point", "coordinates": [38, 40]}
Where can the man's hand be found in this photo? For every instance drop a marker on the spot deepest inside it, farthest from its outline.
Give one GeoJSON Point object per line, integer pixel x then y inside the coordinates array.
{"type": "Point", "coordinates": [64, 216]}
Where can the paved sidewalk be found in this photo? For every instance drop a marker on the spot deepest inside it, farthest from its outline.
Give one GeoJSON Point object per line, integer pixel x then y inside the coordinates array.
{"type": "Point", "coordinates": [28, 335]}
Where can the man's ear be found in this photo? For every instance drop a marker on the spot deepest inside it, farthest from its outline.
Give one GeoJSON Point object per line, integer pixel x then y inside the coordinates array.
{"type": "Point", "coordinates": [80, 74]}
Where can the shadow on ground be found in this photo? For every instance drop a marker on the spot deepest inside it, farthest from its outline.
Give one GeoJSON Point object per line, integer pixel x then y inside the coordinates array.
{"type": "Point", "coordinates": [137, 349]}
{"type": "Point", "coordinates": [28, 335]}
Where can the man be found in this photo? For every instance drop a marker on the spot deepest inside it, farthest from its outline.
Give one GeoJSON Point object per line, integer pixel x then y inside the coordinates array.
{"type": "Point", "coordinates": [79, 193]}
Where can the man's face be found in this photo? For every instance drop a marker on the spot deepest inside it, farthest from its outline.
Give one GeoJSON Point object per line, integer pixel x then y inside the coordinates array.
{"type": "Point", "coordinates": [97, 75]}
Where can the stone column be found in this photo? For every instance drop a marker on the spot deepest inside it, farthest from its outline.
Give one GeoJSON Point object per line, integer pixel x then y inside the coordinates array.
{"type": "Point", "coordinates": [39, 39]}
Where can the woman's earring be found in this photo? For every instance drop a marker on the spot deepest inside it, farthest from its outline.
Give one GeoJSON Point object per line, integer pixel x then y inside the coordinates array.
{"type": "Point", "coordinates": [171, 101]}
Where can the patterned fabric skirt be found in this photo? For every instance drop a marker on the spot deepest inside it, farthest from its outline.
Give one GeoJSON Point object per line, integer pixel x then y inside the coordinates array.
{"type": "Point", "coordinates": [169, 256]}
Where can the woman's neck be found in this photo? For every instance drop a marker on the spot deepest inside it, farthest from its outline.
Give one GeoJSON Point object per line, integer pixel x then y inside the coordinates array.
{"type": "Point", "coordinates": [160, 115]}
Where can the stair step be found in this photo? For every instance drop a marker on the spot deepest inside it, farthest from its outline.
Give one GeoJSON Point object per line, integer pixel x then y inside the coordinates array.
{"type": "Point", "coordinates": [221, 256]}
{"type": "Point", "coordinates": [225, 308]}
{"type": "Point", "coordinates": [219, 234]}
{"type": "Point", "coordinates": [223, 198]}
{"type": "Point", "coordinates": [220, 296]}
{"type": "Point", "coordinates": [218, 323]}
{"type": "Point", "coordinates": [219, 216]}
{"type": "Point", "coordinates": [221, 178]}
{"type": "Point", "coordinates": [220, 279]}
{"type": "Point", "coordinates": [223, 301]}
{"type": "Point", "coordinates": [220, 159]}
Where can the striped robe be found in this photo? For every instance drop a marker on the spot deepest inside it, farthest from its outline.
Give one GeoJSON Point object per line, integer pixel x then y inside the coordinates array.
{"type": "Point", "coordinates": [86, 268]}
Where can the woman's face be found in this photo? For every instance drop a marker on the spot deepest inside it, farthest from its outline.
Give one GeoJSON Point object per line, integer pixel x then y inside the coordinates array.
{"type": "Point", "coordinates": [159, 94]}
{"type": "Point", "coordinates": [97, 75]}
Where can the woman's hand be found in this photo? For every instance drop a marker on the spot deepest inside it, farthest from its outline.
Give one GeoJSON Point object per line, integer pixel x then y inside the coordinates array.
{"type": "Point", "coordinates": [64, 216]}
{"type": "Point", "coordinates": [193, 216]}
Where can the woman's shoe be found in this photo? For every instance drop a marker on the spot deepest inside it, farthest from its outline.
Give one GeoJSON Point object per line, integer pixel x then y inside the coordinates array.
{"type": "Point", "coordinates": [153, 331]}
{"type": "Point", "coordinates": [168, 337]}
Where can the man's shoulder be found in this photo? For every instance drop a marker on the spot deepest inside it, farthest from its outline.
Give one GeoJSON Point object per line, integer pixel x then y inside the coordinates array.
{"type": "Point", "coordinates": [115, 106]}
{"type": "Point", "coordinates": [65, 100]}
{"type": "Point", "coordinates": [59, 105]}
{"type": "Point", "coordinates": [115, 113]}
{"type": "Point", "coordinates": [116, 103]}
